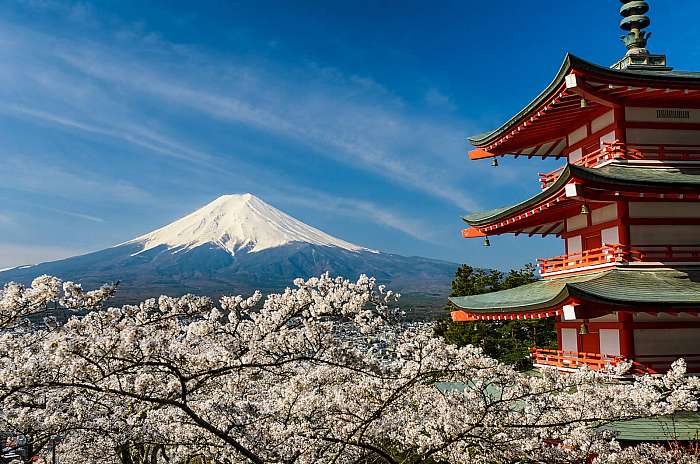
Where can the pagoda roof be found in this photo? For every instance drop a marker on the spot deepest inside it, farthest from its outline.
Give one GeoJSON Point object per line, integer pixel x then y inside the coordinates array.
{"type": "Point", "coordinates": [681, 426]}
{"type": "Point", "coordinates": [623, 287]}
{"type": "Point", "coordinates": [560, 104]}
{"type": "Point", "coordinates": [619, 176]}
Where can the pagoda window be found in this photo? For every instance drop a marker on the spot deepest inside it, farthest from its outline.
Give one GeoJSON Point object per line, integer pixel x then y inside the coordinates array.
{"type": "Point", "coordinates": [575, 155]}
{"type": "Point", "coordinates": [666, 342]}
{"type": "Point", "coordinates": [569, 339]}
{"type": "Point", "coordinates": [605, 214]}
{"type": "Point", "coordinates": [607, 138]}
{"type": "Point", "coordinates": [610, 342]}
{"type": "Point", "coordinates": [574, 245]}
{"type": "Point", "coordinates": [601, 122]}
{"type": "Point", "coordinates": [576, 222]}
{"type": "Point", "coordinates": [610, 236]}
{"type": "Point", "coordinates": [578, 135]}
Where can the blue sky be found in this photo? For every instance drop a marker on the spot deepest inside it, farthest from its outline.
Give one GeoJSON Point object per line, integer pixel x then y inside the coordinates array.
{"type": "Point", "coordinates": [119, 117]}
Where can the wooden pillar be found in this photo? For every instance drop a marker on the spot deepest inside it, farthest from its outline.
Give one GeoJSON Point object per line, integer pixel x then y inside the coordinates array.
{"type": "Point", "coordinates": [619, 117]}
{"type": "Point", "coordinates": [557, 326]}
{"type": "Point", "coordinates": [623, 229]}
{"type": "Point", "coordinates": [626, 334]}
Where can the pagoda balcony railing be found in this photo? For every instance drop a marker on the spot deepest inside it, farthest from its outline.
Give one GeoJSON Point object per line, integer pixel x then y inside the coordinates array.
{"type": "Point", "coordinates": [569, 360]}
{"type": "Point", "coordinates": [641, 364]}
{"type": "Point", "coordinates": [593, 257]}
{"type": "Point", "coordinates": [607, 152]}
{"type": "Point", "coordinates": [669, 152]}
{"type": "Point", "coordinates": [612, 254]}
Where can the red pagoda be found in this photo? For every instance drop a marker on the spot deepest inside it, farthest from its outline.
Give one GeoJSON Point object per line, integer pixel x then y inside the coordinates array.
{"type": "Point", "coordinates": [626, 205]}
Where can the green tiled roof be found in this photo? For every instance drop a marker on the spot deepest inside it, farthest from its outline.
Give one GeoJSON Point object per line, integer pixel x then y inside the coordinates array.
{"type": "Point", "coordinates": [614, 174]}
{"type": "Point", "coordinates": [629, 174]}
{"type": "Point", "coordinates": [618, 286]}
{"type": "Point", "coordinates": [571, 62]}
{"type": "Point", "coordinates": [682, 426]}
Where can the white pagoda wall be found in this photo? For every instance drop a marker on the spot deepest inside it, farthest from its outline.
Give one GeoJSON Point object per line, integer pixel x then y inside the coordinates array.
{"type": "Point", "coordinates": [664, 341]}
{"type": "Point", "coordinates": [664, 235]}
{"type": "Point", "coordinates": [601, 122]}
{"type": "Point", "coordinates": [663, 137]}
{"type": "Point", "coordinates": [609, 341]}
{"type": "Point", "coordinates": [665, 209]}
{"type": "Point", "coordinates": [638, 114]}
{"type": "Point", "coordinates": [602, 215]}
{"type": "Point", "coordinates": [569, 339]}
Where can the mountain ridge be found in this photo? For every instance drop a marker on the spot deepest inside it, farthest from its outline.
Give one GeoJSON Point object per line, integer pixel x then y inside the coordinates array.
{"type": "Point", "coordinates": [237, 244]}
{"type": "Point", "coordinates": [239, 221]}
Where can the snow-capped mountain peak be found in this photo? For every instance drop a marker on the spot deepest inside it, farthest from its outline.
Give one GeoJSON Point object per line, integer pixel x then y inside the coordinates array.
{"type": "Point", "coordinates": [238, 222]}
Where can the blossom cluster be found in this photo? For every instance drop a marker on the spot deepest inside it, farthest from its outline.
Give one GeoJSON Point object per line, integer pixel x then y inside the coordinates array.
{"type": "Point", "coordinates": [18, 302]}
{"type": "Point", "coordinates": [325, 371]}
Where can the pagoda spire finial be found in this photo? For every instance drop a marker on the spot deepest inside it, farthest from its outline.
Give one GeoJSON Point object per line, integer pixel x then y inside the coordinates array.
{"type": "Point", "coordinates": [633, 21]}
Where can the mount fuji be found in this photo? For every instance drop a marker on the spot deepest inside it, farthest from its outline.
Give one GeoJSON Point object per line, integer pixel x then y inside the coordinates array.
{"type": "Point", "coordinates": [235, 244]}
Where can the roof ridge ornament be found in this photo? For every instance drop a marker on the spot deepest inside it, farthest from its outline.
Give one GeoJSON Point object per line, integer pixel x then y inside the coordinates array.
{"type": "Point", "coordinates": [634, 20]}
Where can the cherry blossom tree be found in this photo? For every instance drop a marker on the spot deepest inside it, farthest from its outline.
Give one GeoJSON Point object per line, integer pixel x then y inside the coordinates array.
{"type": "Point", "coordinates": [19, 303]}
{"type": "Point", "coordinates": [326, 371]}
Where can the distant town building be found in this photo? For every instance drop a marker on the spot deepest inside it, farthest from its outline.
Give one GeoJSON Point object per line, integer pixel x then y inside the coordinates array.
{"type": "Point", "coordinates": [626, 204]}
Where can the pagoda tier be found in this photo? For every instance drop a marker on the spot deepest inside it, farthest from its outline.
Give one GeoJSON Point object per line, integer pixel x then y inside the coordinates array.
{"type": "Point", "coordinates": [585, 102]}
{"type": "Point", "coordinates": [635, 215]}
{"type": "Point", "coordinates": [576, 186]}
{"type": "Point", "coordinates": [648, 317]}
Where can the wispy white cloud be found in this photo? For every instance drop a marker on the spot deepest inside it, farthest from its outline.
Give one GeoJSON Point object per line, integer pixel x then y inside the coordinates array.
{"type": "Point", "coordinates": [138, 136]}
{"type": "Point", "coordinates": [436, 98]}
{"type": "Point", "coordinates": [12, 255]}
{"type": "Point", "coordinates": [86, 217]}
{"type": "Point", "coordinates": [339, 120]}
{"type": "Point", "coordinates": [347, 118]}
{"type": "Point", "coordinates": [28, 174]}
{"type": "Point", "coordinates": [6, 219]}
{"type": "Point", "coordinates": [97, 88]}
{"type": "Point", "coordinates": [362, 210]}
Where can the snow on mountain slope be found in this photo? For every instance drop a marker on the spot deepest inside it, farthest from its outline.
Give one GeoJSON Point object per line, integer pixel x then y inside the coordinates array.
{"type": "Point", "coordinates": [237, 244]}
{"type": "Point", "coordinates": [235, 223]}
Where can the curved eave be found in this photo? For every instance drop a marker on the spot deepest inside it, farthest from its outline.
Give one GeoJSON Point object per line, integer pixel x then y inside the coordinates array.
{"type": "Point", "coordinates": [613, 176]}
{"type": "Point", "coordinates": [486, 138]}
{"type": "Point", "coordinates": [484, 218]}
{"type": "Point", "coordinates": [646, 290]}
{"type": "Point", "coordinates": [613, 76]}
{"type": "Point", "coordinates": [506, 308]}
{"type": "Point", "coordinates": [640, 178]}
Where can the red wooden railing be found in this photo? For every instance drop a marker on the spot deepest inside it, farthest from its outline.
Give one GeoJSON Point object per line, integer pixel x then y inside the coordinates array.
{"type": "Point", "coordinates": [603, 255]}
{"type": "Point", "coordinates": [548, 178]}
{"type": "Point", "coordinates": [660, 363]}
{"type": "Point", "coordinates": [669, 152]}
{"type": "Point", "coordinates": [641, 364]}
{"type": "Point", "coordinates": [572, 359]}
{"type": "Point", "coordinates": [619, 151]}
{"type": "Point", "coordinates": [621, 254]}
{"type": "Point", "coordinates": [669, 253]}
{"type": "Point", "coordinates": [608, 151]}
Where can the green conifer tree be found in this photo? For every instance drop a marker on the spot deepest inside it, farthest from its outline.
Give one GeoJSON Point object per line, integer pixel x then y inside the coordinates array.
{"type": "Point", "coordinates": [507, 341]}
